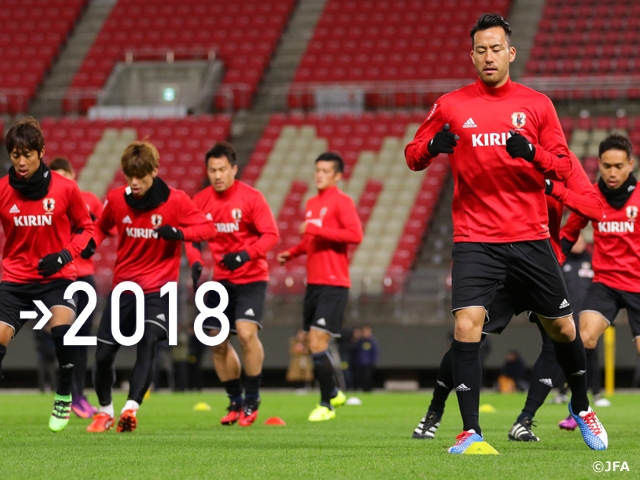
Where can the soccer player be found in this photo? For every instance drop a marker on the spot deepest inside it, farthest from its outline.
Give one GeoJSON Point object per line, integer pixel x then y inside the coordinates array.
{"type": "Point", "coordinates": [85, 269]}
{"type": "Point", "coordinates": [579, 196]}
{"type": "Point", "coordinates": [331, 224]}
{"type": "Point", "coordinates": [616, 255]}
{"type": "Point", "coordinates": [246, 232]}
{"type": "Point", "coordinates": [503, 139]}
{"type": "Point", "coordinates": [152, 220]}
{"type": "Point", "coordinates": [47, 225]}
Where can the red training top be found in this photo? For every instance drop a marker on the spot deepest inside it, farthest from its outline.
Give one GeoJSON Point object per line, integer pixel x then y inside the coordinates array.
{"type": "Point", "coordinates": [84, 266]}
{"type": "Point", "coordinates": [332, 224]}
{"type": "Point", "coordinates": [142, 257]}
{"type": "Point", "coordinates": [616, 238]}
{"type": "Point", "coordinates": [36, 228]}
{"type": "Point", "coordinates": [497, 199]}
{"type": "Point", "coordinates": [244, 222]}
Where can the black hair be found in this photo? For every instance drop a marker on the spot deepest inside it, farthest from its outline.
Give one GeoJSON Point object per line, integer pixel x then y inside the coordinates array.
{"type": "Point", "coordinates": [61, 163]}
{"type": "Point", "coordinates": [222, 149]}
{"type": "Point", "coordinates": [490, 20]}
{"type": "Point", "coordinates": [616, 141]}
{"type": "Point", "coordinates": [338, 163]}
{"type": "Point", "coordinates": [25, 135]}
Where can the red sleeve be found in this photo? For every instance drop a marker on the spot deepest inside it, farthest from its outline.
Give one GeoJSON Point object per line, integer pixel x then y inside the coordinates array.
{"type": "Point", "coordinates": [265, 224]}
{"type": "Point", "coordinates": [80, 218]}
{"type": "Point", "coordinates": [571, 230]}
{"type": "Point", "coordinates": [193, 254]}
{"type": "Point", "coordinates": [301, 248]}
{"type": "Point", "coordinates": [578, 194]}
{"type": "Point", "coordinates": [552, 153]}
{"type": "Point", "coordinates": [416, 152]}
{"type": "Point", "coordinates": [194, 225]}
{"type": "Point", "coordinates": [105, 223]}
{"type": "Point", "coordinates": [351, 231]}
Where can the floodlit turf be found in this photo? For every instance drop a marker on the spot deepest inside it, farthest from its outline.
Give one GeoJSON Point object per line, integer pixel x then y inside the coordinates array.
{"type": "Point", "coordinates": [368, 441]}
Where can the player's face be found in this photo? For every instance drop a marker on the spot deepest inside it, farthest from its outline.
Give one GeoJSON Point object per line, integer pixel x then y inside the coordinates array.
{"type": "Point", "coordinates": [615, 168]}
{"type": "Point", "coordinates": [492, 55]}
{"type": "Point", "coordinates": [25, 163]}
{"type": "Point", "coordinates": [325, 175]}
{"type": "Point", "coordinates": [140, 186]}
{"type": "Point", "coordinates": [64, 173]}
{"type": "Point", "coordinates": [221, 173]}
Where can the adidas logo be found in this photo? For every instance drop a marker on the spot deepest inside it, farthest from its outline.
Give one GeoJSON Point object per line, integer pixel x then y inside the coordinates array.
{"type": "Point", "coordinates": [469, 124]}
{"type": "Point", "coordinates": [579, 373]}
{"type": "Point", "coordinates": [547, 382]}
{"type": "Point", "coordinates": [68, 365]}
{"type": "Point", "coordinates": [161, 317]}
{"type": "Point", "coordinates": [126, 219]}
{"type": "Point", "coordinates": [70, 301]}
{"type": "Point", "coordinates": [564, 304]}
{"type": "Point", "coordinates": [14, 209]}
{"type": "Point", "coordinates": [462, 388]}
{"type": "Point", "coordinates": [250, 312]}
{"type": "Point", "coordinates": [209, 216]}
{"type": "Point", "coordinates": [322, 322]}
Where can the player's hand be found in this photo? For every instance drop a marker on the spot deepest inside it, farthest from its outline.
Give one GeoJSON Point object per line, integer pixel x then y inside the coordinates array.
{"type": "Point", "coordinates": [519, 147]}
{"type": "Point", "coordinates": [235, 259]}
{"type": "Point", "coordinates": [89, 250]}
{"type": "Point", "coordinates": [167, 232]}
{"type": "Point", "coordinates": [53, 263]}
{"type": "Point", "coordinates": [302, 228]}
{"type": "Point", "coordinates": [443, 142]}
{"type": "Point", "coordinates": [196, 272]}
{"type": "Point", "coordinates": [548, 186]}
{"type": "Point", "coordinates": [283, 257]}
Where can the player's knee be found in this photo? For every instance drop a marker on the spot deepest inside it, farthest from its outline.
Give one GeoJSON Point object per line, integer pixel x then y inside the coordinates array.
{"type": "Point", "coordinates": [221, 350]}
{"type": "Point", "coordinates": [247, 336]}
{"type": "Point", "coordinates": [588, 338]}
{"type": "Point", "coordinates": [105, 356]}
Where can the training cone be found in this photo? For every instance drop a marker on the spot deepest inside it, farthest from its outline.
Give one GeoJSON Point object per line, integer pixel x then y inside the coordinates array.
{"type": "Point", "coordinates": [201, 407]}
{"type": "Point", "coordinates": [486, 408]}
{"type": "Point", "coordinates": [480, 448]}
{"type": "Point", "coordinates": [274, 421]}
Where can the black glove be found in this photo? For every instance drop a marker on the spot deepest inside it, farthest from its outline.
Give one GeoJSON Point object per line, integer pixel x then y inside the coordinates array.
{"type": "Point", "coordinates": [566, 246]}
{"type": "Point", "coordinates": [519, 147]}
{"type": "Point", "coordinates": [168, 232]}
{"type": "Point", "coordinates": [443, 142]}
{"type": "Point", "coordinates": [89, 250]}
{"type": "Point", "coordinates": [235, 260]}
{"type": "Point", "coordinates": [53, 263]}
{"type": "Point", "coordinates": [548, 187]}
{"type": "Point", "coordinates": [196, 271]}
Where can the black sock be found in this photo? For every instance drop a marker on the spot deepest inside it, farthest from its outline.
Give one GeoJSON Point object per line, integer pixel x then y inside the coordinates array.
{"type": "Point", "coordinates": [323, 369]}
{"type": "Point", "coordinates": [252, 388]}
{"type": "Point", "coordinates": [142, 374]}
{"type": "Point", "coordinates": [443, 387]}
{"type": "Point", "coordinates": [3, 352]}
{"type": "Point", "coordinates": [573, 361]}
{"type": "Point", "coordinates": [104, 373]}
{"type": "Point", "coordinates": [544, 375]}
{"type": "Point", "coordinates": [467, 377]}
{"type": "Point", "coordinates": [79, 373]}
{"type": "Point", "coordinates": [592, 370]}
{"type": "Point", "coordinates": [234, 390]}
{"type": "Point", "coordinates": [66, 355]}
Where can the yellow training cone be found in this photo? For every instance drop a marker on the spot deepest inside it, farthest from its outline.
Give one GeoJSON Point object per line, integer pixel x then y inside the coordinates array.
{"type": "Point", "coordinates": [480, 448]}
{"type": "Point", "coordinates": [201, 407]}
{"type": "Point", "coordinates": [486, 408]}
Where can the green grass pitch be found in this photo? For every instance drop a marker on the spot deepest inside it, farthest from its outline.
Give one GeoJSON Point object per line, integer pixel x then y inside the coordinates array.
{"type": "Point", "coordinates": [368, 441]}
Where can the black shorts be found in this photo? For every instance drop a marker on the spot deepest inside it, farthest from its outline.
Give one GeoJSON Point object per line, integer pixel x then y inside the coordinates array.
{"type": "Point", "coordinates": [156, 311]}
{"type": "Point", "coordinates": [529, 272]}
{"type": "Point", "coordinates": [609, 301]}
{"type": "Point", "coordinates": [82, 300]}
{"type": "Point", "coordinates": [324, 307]}
{"type": "Point", "coordinates": [246, 303]}
{"type": "Point", "coordinates": [17, 297]}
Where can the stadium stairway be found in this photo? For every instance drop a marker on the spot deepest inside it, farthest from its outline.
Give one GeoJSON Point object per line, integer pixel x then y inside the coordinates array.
{"type": "Point", "coordinates": [48, 101]}
{"type": "Point", "coordinates": [524, 16]}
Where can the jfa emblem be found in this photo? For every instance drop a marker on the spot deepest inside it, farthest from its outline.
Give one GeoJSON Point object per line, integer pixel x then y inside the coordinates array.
{"type": "Point", "coordinates": [49, 204]}
{"type": "Point", "coordinates": [323, 212]}
{"type": "Point", "coordinates": [156, 220]}
{"type": "Point", "coordinates": [236, 213]}
{"type": "Point", "coordinates": [518, 119]}
{"type": "Point", "coordinates": [632, 212]}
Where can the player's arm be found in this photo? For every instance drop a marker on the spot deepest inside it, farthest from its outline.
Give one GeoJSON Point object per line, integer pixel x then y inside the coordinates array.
{"type": "Point", "coordinates": [300, 249]}
{"type": "Point", "coordinates": [266, 226]}
{"type": "Point", "coordinates": [106, 225]}
{"type": "Point", "coordinates": [577, 193]}
{"type": "Point", "coordinates": [192, 226]}
{"type": "Point", "coordinates": [432, 138]}
{"type": "Point", "coordinates": [351, 230]}
{"type": "Point", "coordinates": [80, 218]}
{"type": "Point", "coordinates": [571, 231]}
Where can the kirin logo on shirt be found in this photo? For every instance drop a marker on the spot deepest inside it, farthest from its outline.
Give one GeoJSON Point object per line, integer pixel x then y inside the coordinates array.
{"type": "Point", "coordinates": [632, 212]}
{"type": "Point", "coordinates": [49, 204]}
{"type": "Point", "coordinates": [518, 119]}
{"type": "Point", "coordinates": [156, 220]}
